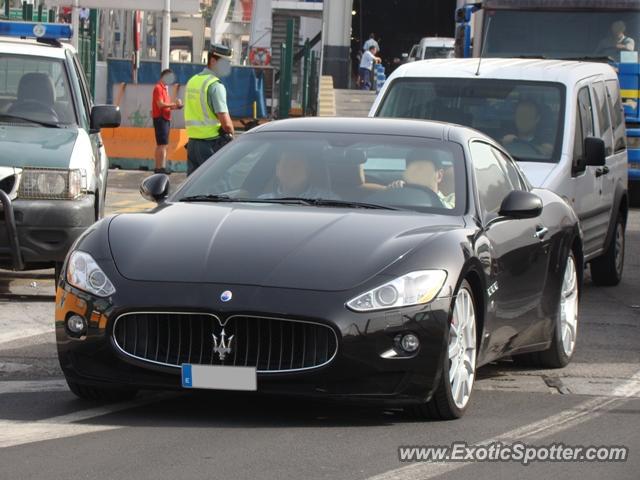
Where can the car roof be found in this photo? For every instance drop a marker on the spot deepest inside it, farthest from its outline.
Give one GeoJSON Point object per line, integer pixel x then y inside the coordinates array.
{"type": "Point", "coordinates": [374, 126]}
{"type": "Point", "coordinates": [562, 71]}
{"type": "Point", "coordinates": [19, 46]}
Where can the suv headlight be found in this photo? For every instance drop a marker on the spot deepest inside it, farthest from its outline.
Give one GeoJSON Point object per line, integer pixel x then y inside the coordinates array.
{"type": "Point", "coordinates": [84, 273]}
{"type": "Point", "coordinates": [414, 288]}
{"type": "Point", "coordinates": [50, 184]}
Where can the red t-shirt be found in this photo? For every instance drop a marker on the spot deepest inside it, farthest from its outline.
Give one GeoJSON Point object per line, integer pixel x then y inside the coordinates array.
{"type": "Point", "coordinates": [161, 93]}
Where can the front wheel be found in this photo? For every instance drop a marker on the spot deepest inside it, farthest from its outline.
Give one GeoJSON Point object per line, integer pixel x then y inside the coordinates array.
{"type": "Point", "coordinates": [451, 398]}
{"type": "Point", "coordinates": [606, 270]}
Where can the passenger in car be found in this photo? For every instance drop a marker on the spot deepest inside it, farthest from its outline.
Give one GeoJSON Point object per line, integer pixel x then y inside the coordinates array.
{"type": "Point", "coordinates": [424, 170]}
{"type": "Point", "coordinates": [294, 177]}
{"type": "Point", "coordinates": [527, 121]}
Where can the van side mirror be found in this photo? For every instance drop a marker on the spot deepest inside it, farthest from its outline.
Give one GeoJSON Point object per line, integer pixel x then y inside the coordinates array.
{"type": "Point", "coordinates": [105, 116]}
{"type": "Point", "coordinates": [594, 152]}
{"type": "Point", "coordinates": [155, 188]}
{"type": "Point", "coordinates": [519, 204]}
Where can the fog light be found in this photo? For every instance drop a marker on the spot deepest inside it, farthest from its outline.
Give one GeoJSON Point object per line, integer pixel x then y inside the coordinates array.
{"type": "Point", "coordinates": [409, 343]}
{"type": "Point", "coordinates": [76, 324]}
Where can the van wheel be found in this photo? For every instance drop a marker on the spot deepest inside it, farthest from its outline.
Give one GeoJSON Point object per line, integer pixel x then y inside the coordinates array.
{"type": "Point", "coordinates": [57, 272]}
{"type": "Point", "coordinates": [606, 270]}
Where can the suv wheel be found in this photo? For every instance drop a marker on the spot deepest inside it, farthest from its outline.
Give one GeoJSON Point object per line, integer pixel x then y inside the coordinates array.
{"type": "Point", "coordinates": [607, 269]}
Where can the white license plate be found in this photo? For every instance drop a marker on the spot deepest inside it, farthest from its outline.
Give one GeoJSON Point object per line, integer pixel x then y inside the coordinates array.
{"type": "Point", "coordinates": [219, 377]}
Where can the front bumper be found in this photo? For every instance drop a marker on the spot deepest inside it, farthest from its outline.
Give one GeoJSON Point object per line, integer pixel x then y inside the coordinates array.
{"type": "Point", "coordinates": [37, 233]}
{"type": "Point", "coordinates": [358, 371]}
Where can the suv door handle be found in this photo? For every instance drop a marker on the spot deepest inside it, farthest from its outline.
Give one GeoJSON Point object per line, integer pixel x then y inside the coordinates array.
{"type": "Point", "coordinates": [541, 232]}
{"type": "Point", "coordinates": [602, 171]}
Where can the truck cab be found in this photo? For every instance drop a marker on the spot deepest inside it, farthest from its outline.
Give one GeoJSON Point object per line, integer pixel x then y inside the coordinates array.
{"type": "Point", "coordinates": [561, 120]}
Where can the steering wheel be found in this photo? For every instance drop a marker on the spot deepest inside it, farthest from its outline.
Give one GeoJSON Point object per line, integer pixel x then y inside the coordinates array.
{"type": "Point", "coordinates": [530, 146]}
{"type": "Point", "coordinates": [397, 196]}
{"type": "Point", "coordinates": [34, 106]}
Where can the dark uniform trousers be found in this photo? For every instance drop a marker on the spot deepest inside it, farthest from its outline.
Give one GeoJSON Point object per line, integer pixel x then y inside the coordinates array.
{"type": "Point", "coordinates": [199, 151]}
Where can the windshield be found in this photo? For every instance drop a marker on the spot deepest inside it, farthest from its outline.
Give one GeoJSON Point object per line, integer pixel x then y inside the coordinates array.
{"type": "Point", "coordinates": [335, 170]}
{"type": "Point", "coordinates": [34, 90]}
{"type": "Point", "coordinates": [526, 117]}
{"type": "Point", "coordinates": [562, 34]}
{"type": "Point", "coordinates": [438, 52]}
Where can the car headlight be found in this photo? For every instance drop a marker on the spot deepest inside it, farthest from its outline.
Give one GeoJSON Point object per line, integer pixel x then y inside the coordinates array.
{"type": "Point", "coordinates": [84, 273]}
{"type": "Point", "coordinates": [50, 184]}
{"type": "Point", "coordinates": [415, 288]}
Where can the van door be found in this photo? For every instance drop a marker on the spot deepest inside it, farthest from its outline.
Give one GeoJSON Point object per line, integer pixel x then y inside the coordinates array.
{"type": "Point", "coordinates": [587, 191]}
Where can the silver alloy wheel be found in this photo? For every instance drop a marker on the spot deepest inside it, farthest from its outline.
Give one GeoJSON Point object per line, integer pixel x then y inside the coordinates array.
{"type": "Point", "coordinates": [619, 246]}
{"type": "Point", "coordinates": [569, 307]}
{"type": "Point", "coordinates": [462, 348]}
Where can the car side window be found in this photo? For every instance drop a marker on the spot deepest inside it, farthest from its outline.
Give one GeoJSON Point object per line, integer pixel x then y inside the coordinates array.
{"type": "Point", "coordinates": [510, 169]}
{"type": "Point", "coordinates": [617, 116]}
{"type": "Point", "coordinates": [84, 93]}
{"type": "Point", "coordinates": [584, 128]}
{"type": "Point", "coordinates": [604, 116]}
{"type": "Point", "coordinates": [492, 182]}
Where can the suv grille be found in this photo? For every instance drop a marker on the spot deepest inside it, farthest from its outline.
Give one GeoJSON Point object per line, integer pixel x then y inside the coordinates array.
{"type": "Point", "coordinates": [269, 344]}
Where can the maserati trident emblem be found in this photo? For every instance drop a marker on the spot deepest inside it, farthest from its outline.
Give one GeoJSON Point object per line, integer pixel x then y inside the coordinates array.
{"type": "Point", "coordinates": [222, 346]}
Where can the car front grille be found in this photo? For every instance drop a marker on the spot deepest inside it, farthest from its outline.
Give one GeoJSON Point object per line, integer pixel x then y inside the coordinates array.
{"type": "Point", "coordinates": [269, 344]}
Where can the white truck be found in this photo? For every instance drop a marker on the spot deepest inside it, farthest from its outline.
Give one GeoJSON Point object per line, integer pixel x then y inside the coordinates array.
{"type": "Point", "coordinates": [563, 121]}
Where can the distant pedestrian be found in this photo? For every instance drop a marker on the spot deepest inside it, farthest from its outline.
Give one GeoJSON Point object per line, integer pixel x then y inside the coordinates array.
{"type": "Point", "coordinates": [206, 115]}
{"type": "Point", "coordinates": [366, 67]}
{"type": "Point", "coordinates": [371, 42]}
{"type": "Point", "coordinates": [161, 107]}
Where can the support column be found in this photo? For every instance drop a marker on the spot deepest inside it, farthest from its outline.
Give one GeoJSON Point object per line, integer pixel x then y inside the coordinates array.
{"type": "Point", "coordinates": [336, 40]}
{"type": "Point", "coordinates": [166, 34]}
{"type": "Point", "coordinates": [75, 24]}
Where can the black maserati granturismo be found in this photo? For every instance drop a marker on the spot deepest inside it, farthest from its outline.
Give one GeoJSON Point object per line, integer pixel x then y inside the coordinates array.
{"type": "Point", "coordinates": [372, 260]}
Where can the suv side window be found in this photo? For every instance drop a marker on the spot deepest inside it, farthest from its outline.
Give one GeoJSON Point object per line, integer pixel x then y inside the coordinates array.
{"type": "Point", "coordinates": [604, 116]}
{"type": "Point", "coordinates": [584, 128]}
{"type": "Point", "coordinates": [617, 116]}
{"type": "Point", "coordinates": [492, 181]}
{"type": "Point", "coordinates": [84, 107]}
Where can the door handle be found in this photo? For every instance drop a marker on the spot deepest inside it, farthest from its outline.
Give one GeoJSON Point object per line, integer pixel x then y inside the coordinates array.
{"type": "Point", "coordinates": [602, 171]}
{"type": "Point", "coordinates": [541, 232]}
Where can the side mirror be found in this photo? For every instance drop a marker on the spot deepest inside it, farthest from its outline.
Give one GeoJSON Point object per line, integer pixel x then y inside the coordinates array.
{"type": "Point", "coordinates": [155, 188]}
{"type": "Point", "coordinates": [105, 116]}
{"type": "Point", "coordinates": [594, 152]}
{"type": "Point", "coordinates": [519, 204]}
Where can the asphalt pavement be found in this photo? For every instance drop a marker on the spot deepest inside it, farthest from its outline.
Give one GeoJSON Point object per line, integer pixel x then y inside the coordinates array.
{"type": "Point", "coordinates": [46, 433]}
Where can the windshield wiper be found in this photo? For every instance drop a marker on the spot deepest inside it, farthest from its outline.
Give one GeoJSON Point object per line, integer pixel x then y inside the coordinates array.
{"type": "Point", "coordinates": [536, 57]}
{"type": "Point", "coordinates": [210, 198]}
{"type": "Point", "coordinates": [325, 202]}
{"type": "Point", "coordinates": [591, 58]}
{"type": "Point", "coordinates": [30, 120]}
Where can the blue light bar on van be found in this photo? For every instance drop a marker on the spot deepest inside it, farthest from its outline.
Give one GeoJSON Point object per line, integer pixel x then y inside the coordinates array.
{"type": "Point", "coordinates": [47, 31]}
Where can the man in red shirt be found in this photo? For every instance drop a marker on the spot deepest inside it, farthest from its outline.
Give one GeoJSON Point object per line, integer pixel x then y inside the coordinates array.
{"type": "Point", "coordinates": [161, 107]}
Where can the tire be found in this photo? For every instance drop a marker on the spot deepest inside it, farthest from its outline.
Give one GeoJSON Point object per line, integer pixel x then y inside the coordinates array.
{"type": "Point", "coordinates": [565, 332]}
{"type": "Point", "coordinates": [606, 270]}
{"type": "Point", "coordinates": [57, 272]}
{"type": "Point", "coordinates": [445, 404]}
{"type": "Point", "coordinates": [102, 395]}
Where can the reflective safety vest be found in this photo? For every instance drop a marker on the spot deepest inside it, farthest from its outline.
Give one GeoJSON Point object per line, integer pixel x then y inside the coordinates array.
{"type": "Point", "coordinates": [201, 121]}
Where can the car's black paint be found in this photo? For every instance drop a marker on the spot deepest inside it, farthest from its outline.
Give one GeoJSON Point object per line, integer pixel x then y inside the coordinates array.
{"type": "Point", "coordinates": [300, 262]}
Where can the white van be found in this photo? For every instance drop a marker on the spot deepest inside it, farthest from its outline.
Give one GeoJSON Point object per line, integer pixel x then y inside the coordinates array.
{"type": "Point", "coordinates": [563, 121]}
{"type": "Point", "coordinates": [431, 47]}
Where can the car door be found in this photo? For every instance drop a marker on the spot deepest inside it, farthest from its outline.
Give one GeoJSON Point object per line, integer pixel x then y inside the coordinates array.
{"type": "Point", "coordinates": [587, 183]}
{"type": "Point", "coordinates": [517, 248]}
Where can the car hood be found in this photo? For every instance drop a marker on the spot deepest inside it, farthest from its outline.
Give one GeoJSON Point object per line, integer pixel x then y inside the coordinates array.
{"type": "Point", "coordinates": [285, 246]}
{"type": "Point", "coordinates": [537, 172]}
{"type": "Point", "coordinates": [28, 146]}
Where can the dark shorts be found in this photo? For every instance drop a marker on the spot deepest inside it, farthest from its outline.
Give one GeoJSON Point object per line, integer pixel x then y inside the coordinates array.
{"type": "Point", "coordinates": [162, 127]}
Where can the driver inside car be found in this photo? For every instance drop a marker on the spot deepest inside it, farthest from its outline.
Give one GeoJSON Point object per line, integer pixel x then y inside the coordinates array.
{"type": "Point", "coordinates": [423, 170]}
{"type": "Point", "coordinates": [294, 178]}
{"type": "Point", "coordinates": [527, 120]}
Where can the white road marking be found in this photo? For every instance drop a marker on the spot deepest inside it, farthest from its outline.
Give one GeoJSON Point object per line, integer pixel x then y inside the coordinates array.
{"type": "Point", "coordinates": [33, 386]}
{"type": "Point", "coordinates": [14, 432]}
{"type": "Point", "coordinates": [583, 412]}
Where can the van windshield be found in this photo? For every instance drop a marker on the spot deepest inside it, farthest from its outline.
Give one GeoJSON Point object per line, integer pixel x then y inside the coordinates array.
{"type": "Point", "coordinates": [526, 117]}
{"type": "Point", "coordinates": [562, 33]}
